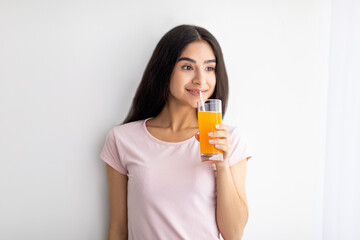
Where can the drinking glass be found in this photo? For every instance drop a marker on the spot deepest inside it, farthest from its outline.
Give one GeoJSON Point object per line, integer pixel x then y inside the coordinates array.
{"type": "Point", "coordinates": [209, 115]}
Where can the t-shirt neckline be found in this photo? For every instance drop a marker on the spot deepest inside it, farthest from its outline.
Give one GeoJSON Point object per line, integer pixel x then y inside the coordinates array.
{"type": "Point", "coordinates": [161, 141]}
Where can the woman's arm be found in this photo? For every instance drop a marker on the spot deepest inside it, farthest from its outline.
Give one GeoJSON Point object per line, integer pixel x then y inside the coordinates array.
{"type": "Point", "coordinates": [232, 208]}
{"type": "Point", "coordinates": [117, 182]}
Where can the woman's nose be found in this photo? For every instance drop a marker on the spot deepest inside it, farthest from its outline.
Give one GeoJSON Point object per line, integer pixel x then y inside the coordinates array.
{"type": "Point", "coordinates": [199, 77]}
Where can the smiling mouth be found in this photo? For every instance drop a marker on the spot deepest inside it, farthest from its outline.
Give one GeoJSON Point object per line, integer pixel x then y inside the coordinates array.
{"type": "Point", "coordinates": [196, 91]}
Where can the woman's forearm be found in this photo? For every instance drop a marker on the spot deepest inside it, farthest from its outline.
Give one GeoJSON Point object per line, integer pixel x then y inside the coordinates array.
{"type": "Point", "coordinates": [117, 235]}
{"type": "Point", "coordinates": [232, 210]}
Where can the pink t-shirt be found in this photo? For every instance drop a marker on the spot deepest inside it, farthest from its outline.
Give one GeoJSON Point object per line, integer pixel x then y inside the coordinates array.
{"type": "Point", "coordinates": [171, 194]}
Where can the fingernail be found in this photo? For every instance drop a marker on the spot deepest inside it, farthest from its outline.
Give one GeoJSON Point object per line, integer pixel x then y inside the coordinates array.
{"type": "Point", "coordinates": [211, 134]}
{"type": "Point", "coordinates": [217, 126]}
{"type": "Point", "coordinates": [217, 146]}
{"type": "Point", "coordinates": [211, 141]}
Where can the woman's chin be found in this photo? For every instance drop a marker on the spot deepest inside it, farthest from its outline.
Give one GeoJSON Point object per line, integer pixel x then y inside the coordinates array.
{"type": "Point", "coordinates": [194, 105]}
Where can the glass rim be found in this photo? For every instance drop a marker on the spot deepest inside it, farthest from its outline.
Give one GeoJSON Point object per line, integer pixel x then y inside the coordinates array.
{"type": "Point", "coordinates": [209, 100]}
{"type": "Point", "coordinates": [209, 105]}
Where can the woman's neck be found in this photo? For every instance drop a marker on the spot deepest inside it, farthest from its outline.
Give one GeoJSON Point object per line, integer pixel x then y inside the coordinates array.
{"type": "Point", "coordinates": [176, 117]}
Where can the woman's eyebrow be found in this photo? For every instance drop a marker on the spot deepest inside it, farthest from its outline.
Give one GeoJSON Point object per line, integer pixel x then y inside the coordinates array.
{"type": "Point", "coordinates": [210, 61]}
{"type": "Point", "coordinates": [186, 59]}
{"type": "Point", "coordinates": [193, 61]}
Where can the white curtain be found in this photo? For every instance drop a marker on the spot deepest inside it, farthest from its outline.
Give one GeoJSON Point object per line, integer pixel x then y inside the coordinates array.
{"type": "Point", "coordinates": [341, 202]}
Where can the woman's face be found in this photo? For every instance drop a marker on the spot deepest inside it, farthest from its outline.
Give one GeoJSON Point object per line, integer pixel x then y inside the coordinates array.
{"type": "Point", "coordinates": [193, 72]}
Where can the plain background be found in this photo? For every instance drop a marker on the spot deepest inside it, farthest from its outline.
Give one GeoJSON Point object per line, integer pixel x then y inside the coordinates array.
{"type": "Point", "coordinates": [69, 71]}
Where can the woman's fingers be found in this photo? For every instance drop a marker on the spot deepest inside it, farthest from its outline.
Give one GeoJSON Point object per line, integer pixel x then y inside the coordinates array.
{"type": "Point", "coordinates": [218, 134]}
{"type": "Point", "coordinates": [222, 127]}
{"type": "Point", "coordinates": [219, 138]}
{"type": "Point", "coordinates": [219, 141]}
{"type": "Point", "coordinates": [221, 144]}
{"type": "Point", "coordinates": [225, 148]}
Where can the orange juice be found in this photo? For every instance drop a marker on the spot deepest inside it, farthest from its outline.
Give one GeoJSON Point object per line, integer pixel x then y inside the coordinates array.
{"type": "Point", "coordinates": [207, 122]}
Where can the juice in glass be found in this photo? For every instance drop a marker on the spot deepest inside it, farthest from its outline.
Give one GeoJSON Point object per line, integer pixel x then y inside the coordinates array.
{"type": "Point", "coordinates": [209, 116]}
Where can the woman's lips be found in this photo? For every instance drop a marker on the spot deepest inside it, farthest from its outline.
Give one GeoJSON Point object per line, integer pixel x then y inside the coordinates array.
{"type": "Point", "coordinates": [195, 92]}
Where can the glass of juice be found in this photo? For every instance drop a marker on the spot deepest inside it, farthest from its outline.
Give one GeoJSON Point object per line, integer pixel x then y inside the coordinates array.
{"type": "Point", "coordinates": [209, 115]}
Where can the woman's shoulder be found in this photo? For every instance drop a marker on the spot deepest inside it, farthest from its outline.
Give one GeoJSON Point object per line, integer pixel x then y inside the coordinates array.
{"type": "Point", "coordinates": [131, 128]}
{"type": "Point", "coordinates": [128, 125]}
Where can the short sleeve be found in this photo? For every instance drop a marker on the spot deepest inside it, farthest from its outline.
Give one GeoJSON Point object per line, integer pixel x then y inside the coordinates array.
{"type": "Point", "coordinates": [110, 153]}
{"type": "Point", "coordinates": [239, 147]}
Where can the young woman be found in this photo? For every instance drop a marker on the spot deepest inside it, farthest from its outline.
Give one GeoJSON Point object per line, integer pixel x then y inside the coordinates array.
{"type": "Point", "coordinates": [159, 188]}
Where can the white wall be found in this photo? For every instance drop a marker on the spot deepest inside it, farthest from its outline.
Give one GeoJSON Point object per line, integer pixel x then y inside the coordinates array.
{"type": "Point", "coordinates": [69, 70]}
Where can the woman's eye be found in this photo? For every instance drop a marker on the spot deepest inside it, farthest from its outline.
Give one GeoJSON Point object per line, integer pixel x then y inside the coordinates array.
{"type": "Point", "coordinates": [209, 69]}
{"type": "Point", "coordinates": [186, 67]}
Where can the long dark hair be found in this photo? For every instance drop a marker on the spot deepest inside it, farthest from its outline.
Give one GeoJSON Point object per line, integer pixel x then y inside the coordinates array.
{"type": "Point", "coordinates": [153, 91]}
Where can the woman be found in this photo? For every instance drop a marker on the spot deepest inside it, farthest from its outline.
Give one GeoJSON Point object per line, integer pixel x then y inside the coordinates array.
{"type": "Point", "coordinates": [159, 189]}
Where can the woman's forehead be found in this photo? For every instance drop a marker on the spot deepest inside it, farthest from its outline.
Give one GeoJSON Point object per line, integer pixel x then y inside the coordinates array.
{"type": "Point", "coordinates": [198, 51]}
